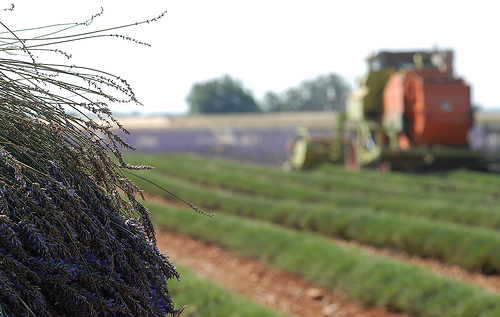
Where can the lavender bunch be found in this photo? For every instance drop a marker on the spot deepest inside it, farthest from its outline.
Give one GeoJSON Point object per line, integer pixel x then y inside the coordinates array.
{"type": "Point", "coordinates": [74, 240]}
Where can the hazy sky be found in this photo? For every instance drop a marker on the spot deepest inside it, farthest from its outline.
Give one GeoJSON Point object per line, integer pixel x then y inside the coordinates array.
{"type": "Point", "coordinates": [271, 44]}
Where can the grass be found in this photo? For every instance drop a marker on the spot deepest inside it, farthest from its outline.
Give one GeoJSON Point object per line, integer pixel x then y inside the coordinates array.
{"type": "Point", "coordinates": [446, 197]}
{"type": "Point", "coordinates": [451, 216]}
{"type": "Point", "coordinates": [374, 280]}
{"type": "Point", "coordinates": [207, 298]}
{"type": "Point", "coordinates": [473, 248]}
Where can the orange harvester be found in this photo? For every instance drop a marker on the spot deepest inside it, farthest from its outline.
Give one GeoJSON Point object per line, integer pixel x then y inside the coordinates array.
{"type": "Point", "coordinates": [434, 107]}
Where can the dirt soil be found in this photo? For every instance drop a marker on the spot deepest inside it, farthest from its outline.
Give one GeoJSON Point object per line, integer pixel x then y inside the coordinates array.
{"type": "Point", "coordinates": [259, 282]}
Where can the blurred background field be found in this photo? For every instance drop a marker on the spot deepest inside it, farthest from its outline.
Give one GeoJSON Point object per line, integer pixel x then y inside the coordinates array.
{"type": "Point", "coordinates": [259, 138]}
{"type": "Point", "coordinates": [253, 137]}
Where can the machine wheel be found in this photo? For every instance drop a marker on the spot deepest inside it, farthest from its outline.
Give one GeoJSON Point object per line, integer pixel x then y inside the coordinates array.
{"type": "Point", "coordinates": [351, 155]}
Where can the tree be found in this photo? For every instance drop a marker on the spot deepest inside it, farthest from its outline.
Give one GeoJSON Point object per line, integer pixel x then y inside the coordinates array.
{"type": "Point", "coordinates": [223, 95]}
{"type": "Point", "coordinates": [324, 93]}
{"type": "Point", "coordinates": [272, 102]}
{"type": "Point", "coordinates": [74, 240]}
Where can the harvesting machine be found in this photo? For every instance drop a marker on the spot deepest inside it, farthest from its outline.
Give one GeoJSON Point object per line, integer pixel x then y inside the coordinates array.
{"type": "Point", "coordinates": [410, 112]}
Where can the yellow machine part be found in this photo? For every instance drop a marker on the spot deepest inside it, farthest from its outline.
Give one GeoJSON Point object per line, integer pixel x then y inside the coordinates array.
{"type": "Point", "coordinates": [308, 151]}
{"type": "Point", "coordinates": [375, 82]}
{"type": "Point", "coordinates": [302, 155]}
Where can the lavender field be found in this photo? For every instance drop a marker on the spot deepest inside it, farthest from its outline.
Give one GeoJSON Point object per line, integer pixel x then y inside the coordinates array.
{"type": "Point", "coordinates": [259, 145]}
{"type": "Point", "coordinates": [258, 139]}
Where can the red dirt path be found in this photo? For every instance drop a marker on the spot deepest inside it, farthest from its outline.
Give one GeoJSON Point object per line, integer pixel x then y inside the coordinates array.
{"type": "Point", "coordinates": [259, 282]}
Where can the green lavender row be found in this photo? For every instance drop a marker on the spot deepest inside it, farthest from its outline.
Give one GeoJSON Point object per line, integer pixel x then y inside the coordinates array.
{"type": "Point", "coordinates": [471, 248]}
{"type": "Point", "coordinates": [331, 176]}
{"type": "Point", "coordinates": [374, 280]}
{"type": "Point", "coordinates": [433, 200]}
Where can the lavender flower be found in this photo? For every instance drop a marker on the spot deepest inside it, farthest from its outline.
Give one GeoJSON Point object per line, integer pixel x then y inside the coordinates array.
{"type": "Point", "coordinates": [70, 243]}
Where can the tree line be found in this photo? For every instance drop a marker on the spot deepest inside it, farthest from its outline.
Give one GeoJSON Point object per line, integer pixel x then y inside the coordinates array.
{"type": "Point", "coordinates": [228, 95]}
